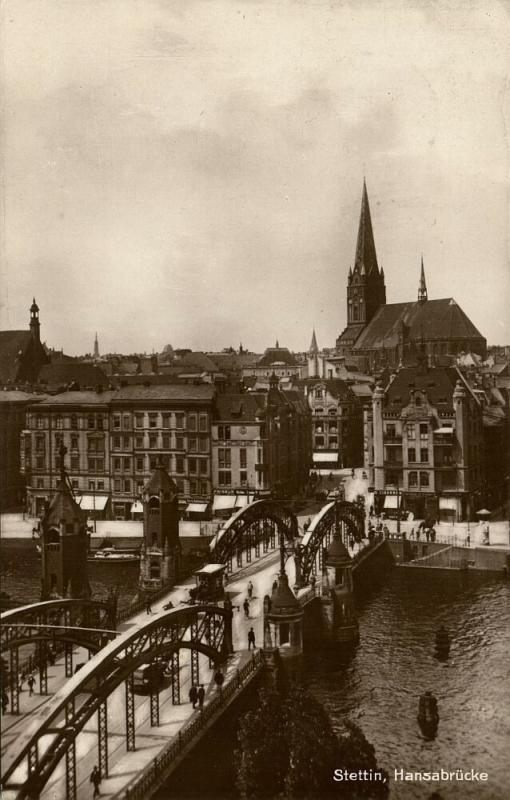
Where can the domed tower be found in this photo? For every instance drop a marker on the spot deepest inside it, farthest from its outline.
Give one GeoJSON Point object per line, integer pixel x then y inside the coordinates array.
{"type": "Point", "coordinates": [35, 325]}
{"type": "Point", "coordinates": [283, 622]}
{"type": "Point", "coordinates": [160, 556]}
{"type": "Point", "coordinates": [64, 544]}
{"type": "Point", "coordinates": [337, 600]}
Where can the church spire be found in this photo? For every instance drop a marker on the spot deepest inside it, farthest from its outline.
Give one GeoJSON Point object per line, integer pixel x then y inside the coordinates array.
{"type": "Point", "coordinates": [96, 347]}
{"type": "Point", "coordinates": [313, 344]}
{"type": "Point", "coordinates": [422, 286]}
{"type": "Point", "coordinates": [366, 258]}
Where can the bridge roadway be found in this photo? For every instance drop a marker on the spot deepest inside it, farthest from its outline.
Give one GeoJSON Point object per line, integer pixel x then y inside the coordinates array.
{"type": "Point", "coordinates": [150, 741]}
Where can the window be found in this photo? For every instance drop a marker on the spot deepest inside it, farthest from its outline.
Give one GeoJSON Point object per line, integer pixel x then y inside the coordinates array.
{"type": "Point", "coordinates": [127, 464]}
{"type": "Point", "coordinates": [192, 466]}
{"type": "Point", "coordinates": [39, 422]}
{"type": "Point", "coordinates": [116, 421]}
{"type": "Point", "coordinates": [391, 431]}
{"type": "Point", "coordinates": [203, 423]}
{"type": "Point", "coordinates": [192, 445]}
{"type": "Point", "coordinates": [75, 463]}
{"type": "Point", "coordinates": [179, 464]}
{"type": "Point", "coordinates": [116, 442]}
{"type": "Point", "coordinates": [138, 420]}
{"type": "Point", "coordinates": [153, 441]}
{"type": "Point", "coordinates": [116, 485]}
{"type": "Point", "coordinates": [424, 430]}
{"type": "Point", "coordinates": [224, 477]}
{"type": "Point", "coordinates": [74, 483]}
{"type": "Point", "coordinates": [95, 464]}
{"type": "Point", "coordinates": [126, 442]}
{"type": "Point", "coordinates": [204, 488]}
{"type": "Point", "coordinates": [139, 464]}
{"type": "Point", "coordinates": [319, 393]}
{"type": "Point", "coordinates": [126, 421]}
{"type": "Point", "coordinates": [203, 445]}
{"type": "Point", "coordinates": [192, 422]}
{"type": "Point", "coordinates": [165, 420]}
{"type": "Point", "coordinates": [74, 422]}
{"type": "Point", "coordinates": [332, 412]}
{"type": "Point", "coordinates": [139, 441]}
{"type": "Point", "coordinates": [139, 487]}
{"type": "Point", "coordinates": [242, 457]}
{"type": "Point", "coordinates": [413, 479]}
{"type": "Point", "coordinates": [117, 464]}
{"type": "Point", "coordinates": [180, 485]}
{"type": "Point", "coordinates": [166, 442]}
{"type": "Point", "coordinates": [411, 454]}
{"type": "Point", "coordinates": [193, 486]}
{"type": "Point", "coordinates": [203, 466]}
{"type": "Point", "coordinates": [179, 443]}
{"type": "Point", "coordinates": [417, 400]}
{"type": "Point", "coordinates": [224, 432]}
{"type": "Point", "coordinates": [224, 457]}
{"type": "Point", "coordinates": [58, 422]}
{"type": "Point", "coordinates": [39, 462]}
{"type": "Point", "coordinates": [153, 420]}
{"type": "Point", "coordinates": [411, 432]}
{"type": "Point", "coordinates": [95, 445]}
{"type": "Point", "coordinates": [152, 463]}
{"type": "Point", "coordinates": [100, 422]}
{"type": "Point", "coordinates": [424, 455]}
{"type": "Point", "coordinates": [424, 478]}
{"type": "Point", "coordinates": [243, 477]}
{"type": "Point", "coordinates": [127, 485]}
{"type": "Point", "coordinates": [179, 420]}
{"type": "Point", "coordinates": [92, 486]}
{"type": "Point", "coordinates": [40, 443]}
{"type": "Point", "coordinates": [74, 443]}
{"type": "Point", "coordinates": [100, 486]}
{"type": "Point", "coordinates": [319, 441]}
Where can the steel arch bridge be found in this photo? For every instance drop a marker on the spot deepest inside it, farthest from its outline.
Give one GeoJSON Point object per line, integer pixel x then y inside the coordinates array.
{"type": "Point", "coordinates": [253, 530]}
{"type": "Point", "coordinates": [331, 517]}
{"type": "Point", "coordinates": [50, 626]}
{"type": "Point", "coordinates": [205, 629]}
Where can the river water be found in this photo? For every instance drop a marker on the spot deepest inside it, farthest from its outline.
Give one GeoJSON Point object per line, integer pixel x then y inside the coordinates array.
{"type": "Point", "coordinates": [379, 685]}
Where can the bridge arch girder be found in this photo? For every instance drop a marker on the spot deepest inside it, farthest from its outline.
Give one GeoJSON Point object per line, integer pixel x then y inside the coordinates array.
{"type": "Point", "coordinates": [320, 528]}
{"type": "Point", "coordinates": [106, 671]}
{"type": "Point", "coordinates": [254, 517]}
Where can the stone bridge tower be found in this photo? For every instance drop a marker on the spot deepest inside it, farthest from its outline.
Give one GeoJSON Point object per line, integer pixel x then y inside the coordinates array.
{"type": "Point", "coordinates": [337, 599]}
{"type": "Point", "coordinates": [160, 555]}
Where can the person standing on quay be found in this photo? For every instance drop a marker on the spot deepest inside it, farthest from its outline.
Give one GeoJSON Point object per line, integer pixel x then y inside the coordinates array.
{"type": "Point", "coordinates": [201, 695]}
{"type": "Point", "coordinates": [31, 684]}
{"type": "Point", "coordinates": [95, 779]}
{"type": "Point", "coordinates": [251, 639]}
{"type": "Point", "coordinates": [250, 590]}
{"type": "Point", "coordinates": [246, 606]}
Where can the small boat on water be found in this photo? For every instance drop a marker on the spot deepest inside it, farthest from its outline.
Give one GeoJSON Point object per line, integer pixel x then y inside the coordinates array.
{"type": "Point", "coordinates": [442, 644]}
{"type": "Point", "coordinates": [428, 715]}
{"type": "Point", "coordinates": [113, 556]}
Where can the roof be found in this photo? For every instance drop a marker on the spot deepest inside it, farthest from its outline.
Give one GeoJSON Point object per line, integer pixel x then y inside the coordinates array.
{"type": "Point", "coordinates": [199, 360]}
{"type": "Point", "coordinates": [65, 372]}
{"type": "Point", "coordinates": [350, 333]}
{"type": "Point", "coordinates": [12, 348]}
{"type": "Point", "coordinates": [437, 382]}
{"type": "Point", "coordinates": [239, 407]}
{"type": "Point", "coordinates": [336, 387]}
{"type": "Point", "coordinates": [283, 599]}
{"type": "Point", "coordinates": [80, 398]}
{"type": "Point", "coordinates": [366, 257]}
{"type": "Point", "coordinates": [313, 344]}
{"type": "Point", "coordinates": [160, 482]}
{"type": "Point", "coordinates": [431, 320]}
{"type": "Point", "coordinates": [168, 392]}
{"type": "Point", "coordinates": [62, 507]}
{"type": "Point", "coordinates": [14, 396]}
{"type": "Point", "coordinates": [338, 554]}
{"type": "Point", "coordinates": [277, 355]}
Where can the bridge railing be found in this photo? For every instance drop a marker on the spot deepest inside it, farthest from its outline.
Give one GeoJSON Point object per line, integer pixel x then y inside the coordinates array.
{"type": "Point", "coordinates": [140, 786]}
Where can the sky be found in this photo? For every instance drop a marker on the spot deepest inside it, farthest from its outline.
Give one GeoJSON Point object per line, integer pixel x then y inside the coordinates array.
{"type": "Point", "coordinates": [190, 173]}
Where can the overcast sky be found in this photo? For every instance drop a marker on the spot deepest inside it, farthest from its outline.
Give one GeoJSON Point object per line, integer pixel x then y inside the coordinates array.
{"type": "Point", "coordinates": [190, 172]}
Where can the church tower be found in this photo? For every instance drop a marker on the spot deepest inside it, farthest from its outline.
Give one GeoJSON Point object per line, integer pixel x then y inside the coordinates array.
{"type": "Point", "coordinates": [160, 554]}
{"type": "Point", "coordinates": [422, 286]}
{"type": "Point", "coordinates": [313, 358]}
{"type": "Point", "coordinates": [366, 291]}
{"type": "Point", "coordinates": [64, 544]}
{"type": "Point", "coordinates": [35, 325]}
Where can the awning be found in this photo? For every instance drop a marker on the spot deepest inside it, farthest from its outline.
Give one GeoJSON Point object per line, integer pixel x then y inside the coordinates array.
{"type": "Point", "coordinates": [196, 508]}
{"type": "Point", "coordinates": [330, 457]}
{"type": "Point", "coordinates": [390, 501]}
{"type": "Point", "coordinates": [443, 430]}
{"type": "Point", "coordinates": [137, 507]}
{"type": "Point", "coordinates": [91, 502]}
{"type": "Point", "coordinates": [242, 500]}
{"type": "Point", "coordinates": [449, 503]}
{"type": "Point", "coordinates": [222, 502]}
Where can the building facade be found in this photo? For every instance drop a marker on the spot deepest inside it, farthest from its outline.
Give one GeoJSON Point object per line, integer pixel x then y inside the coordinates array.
{"type": "Point", "coordinates": [424, 435]}
{"type": "Point", "coordinates": [22, 353]}
{"type": "Point", "coordinates": [13, 405]}
{"type": "Point", "coordinates": [337, 424]}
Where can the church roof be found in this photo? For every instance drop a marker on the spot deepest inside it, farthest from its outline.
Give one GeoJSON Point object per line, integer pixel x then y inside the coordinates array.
{"type": "Point", "coordinates": [313, 344]}
{"type": "Point", "coordinates": [366, 258]}
{"type": "Point", "coordinates": [13, 345]}
{"type": "Point", "coordinates": [432, 320]}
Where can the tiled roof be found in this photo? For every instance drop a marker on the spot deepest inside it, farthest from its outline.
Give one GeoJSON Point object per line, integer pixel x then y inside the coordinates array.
{"type": "Point", "coordinates": [165, 392]}
{"type": "Point", "coordinates": [239, 407]}
{"type": "Point", "coordinates": [433, 320]}
{"type": "Point", "coordinates": [65, 372]}
{"type": "Point", "coordinates": [13, 396]}
{"type": "Point", "coordinates": [12, 348]}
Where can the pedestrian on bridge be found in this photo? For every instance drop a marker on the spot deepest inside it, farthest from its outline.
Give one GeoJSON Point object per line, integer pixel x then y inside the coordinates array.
{"type": "Point", "coordinates": [246, 606]}
{"type": "Point", "coordinates": [95, 779]}
{"type": "Point", "coordinates": [31, 684]}
{"type": "Point", "coordinates": [251, 639]}
{"type": "Point", "coordinates": [250, 589]}
{"type": "Point", "coordinates": [193, 696]}
{"type": "Point", "coordinates": [148, 606]}
{"type": "Point", "coordinates": [201, 695]}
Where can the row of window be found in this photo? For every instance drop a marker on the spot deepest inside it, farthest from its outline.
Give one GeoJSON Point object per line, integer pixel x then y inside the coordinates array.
{"type": "Point", "coordinates": [225, 457]}
{"type": "Point", "coordinates": [125, 486]}
{"type": "Point", "coordinates": [193, 422]}
{"type": "Point", "coordinates": [195, 466]}
{"type": "Point", "coordinates": [225, 477]}
{"type": "Point", "coordinates": [391, 432]}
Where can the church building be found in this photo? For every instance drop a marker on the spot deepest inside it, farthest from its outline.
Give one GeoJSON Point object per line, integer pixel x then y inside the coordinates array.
{"type": "Point", "coordinates": [380, 334]}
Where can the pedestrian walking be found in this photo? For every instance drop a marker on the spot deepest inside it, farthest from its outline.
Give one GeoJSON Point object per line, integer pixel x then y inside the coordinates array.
{"type": "Point", "coordinates": [201, 695]}
{"type": "Point", "coordinates": [193, 696]}
{"type": "Point", "coordinates": [427, 534]}
{"type": "Point", "coordinates": [95, 779]}
{"type": "Point", "coordinates": [251, 639]}
{"type": "Point", "coordinates": [275, 586]}
{"type": "Point", "coordinates": [246, 606]}
{"type": "Point", "coordinates": [218, 680]}
{"type": "Point", "coordinates": [468, 540]}
{"type": "Point", "coordinates": [250, 589]}
{"type": "Point", "coordinates": [5, 701]}
{"type": "Point", "coordinates": [148, 606]}
{"type": "Point", "coordinates": [31, 684]}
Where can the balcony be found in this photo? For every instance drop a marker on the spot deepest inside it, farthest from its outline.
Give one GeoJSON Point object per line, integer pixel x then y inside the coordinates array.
{"type": "Point", "coordinates": [394, 438]}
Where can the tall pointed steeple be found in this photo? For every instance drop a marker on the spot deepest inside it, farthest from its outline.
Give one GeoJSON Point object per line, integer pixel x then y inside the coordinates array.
{"type": "Point", "coordinates": [422, 286]}
{"type": "Point", "coordinates": [96, 347]}
{"type": "Point", "coordinates": [365, 246]}
{"type": "Point", "coordinates": [313, 344]}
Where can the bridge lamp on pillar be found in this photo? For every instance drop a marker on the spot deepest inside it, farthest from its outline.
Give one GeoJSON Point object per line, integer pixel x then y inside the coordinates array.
{"type": "Point", "coordinates": [337, 600]}
{"type": "Point", "coordinates": [283, 622]}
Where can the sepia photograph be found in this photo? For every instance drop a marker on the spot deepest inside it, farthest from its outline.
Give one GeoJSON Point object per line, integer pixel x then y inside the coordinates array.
{"type": "Point", "coordinates": [255, 399]}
